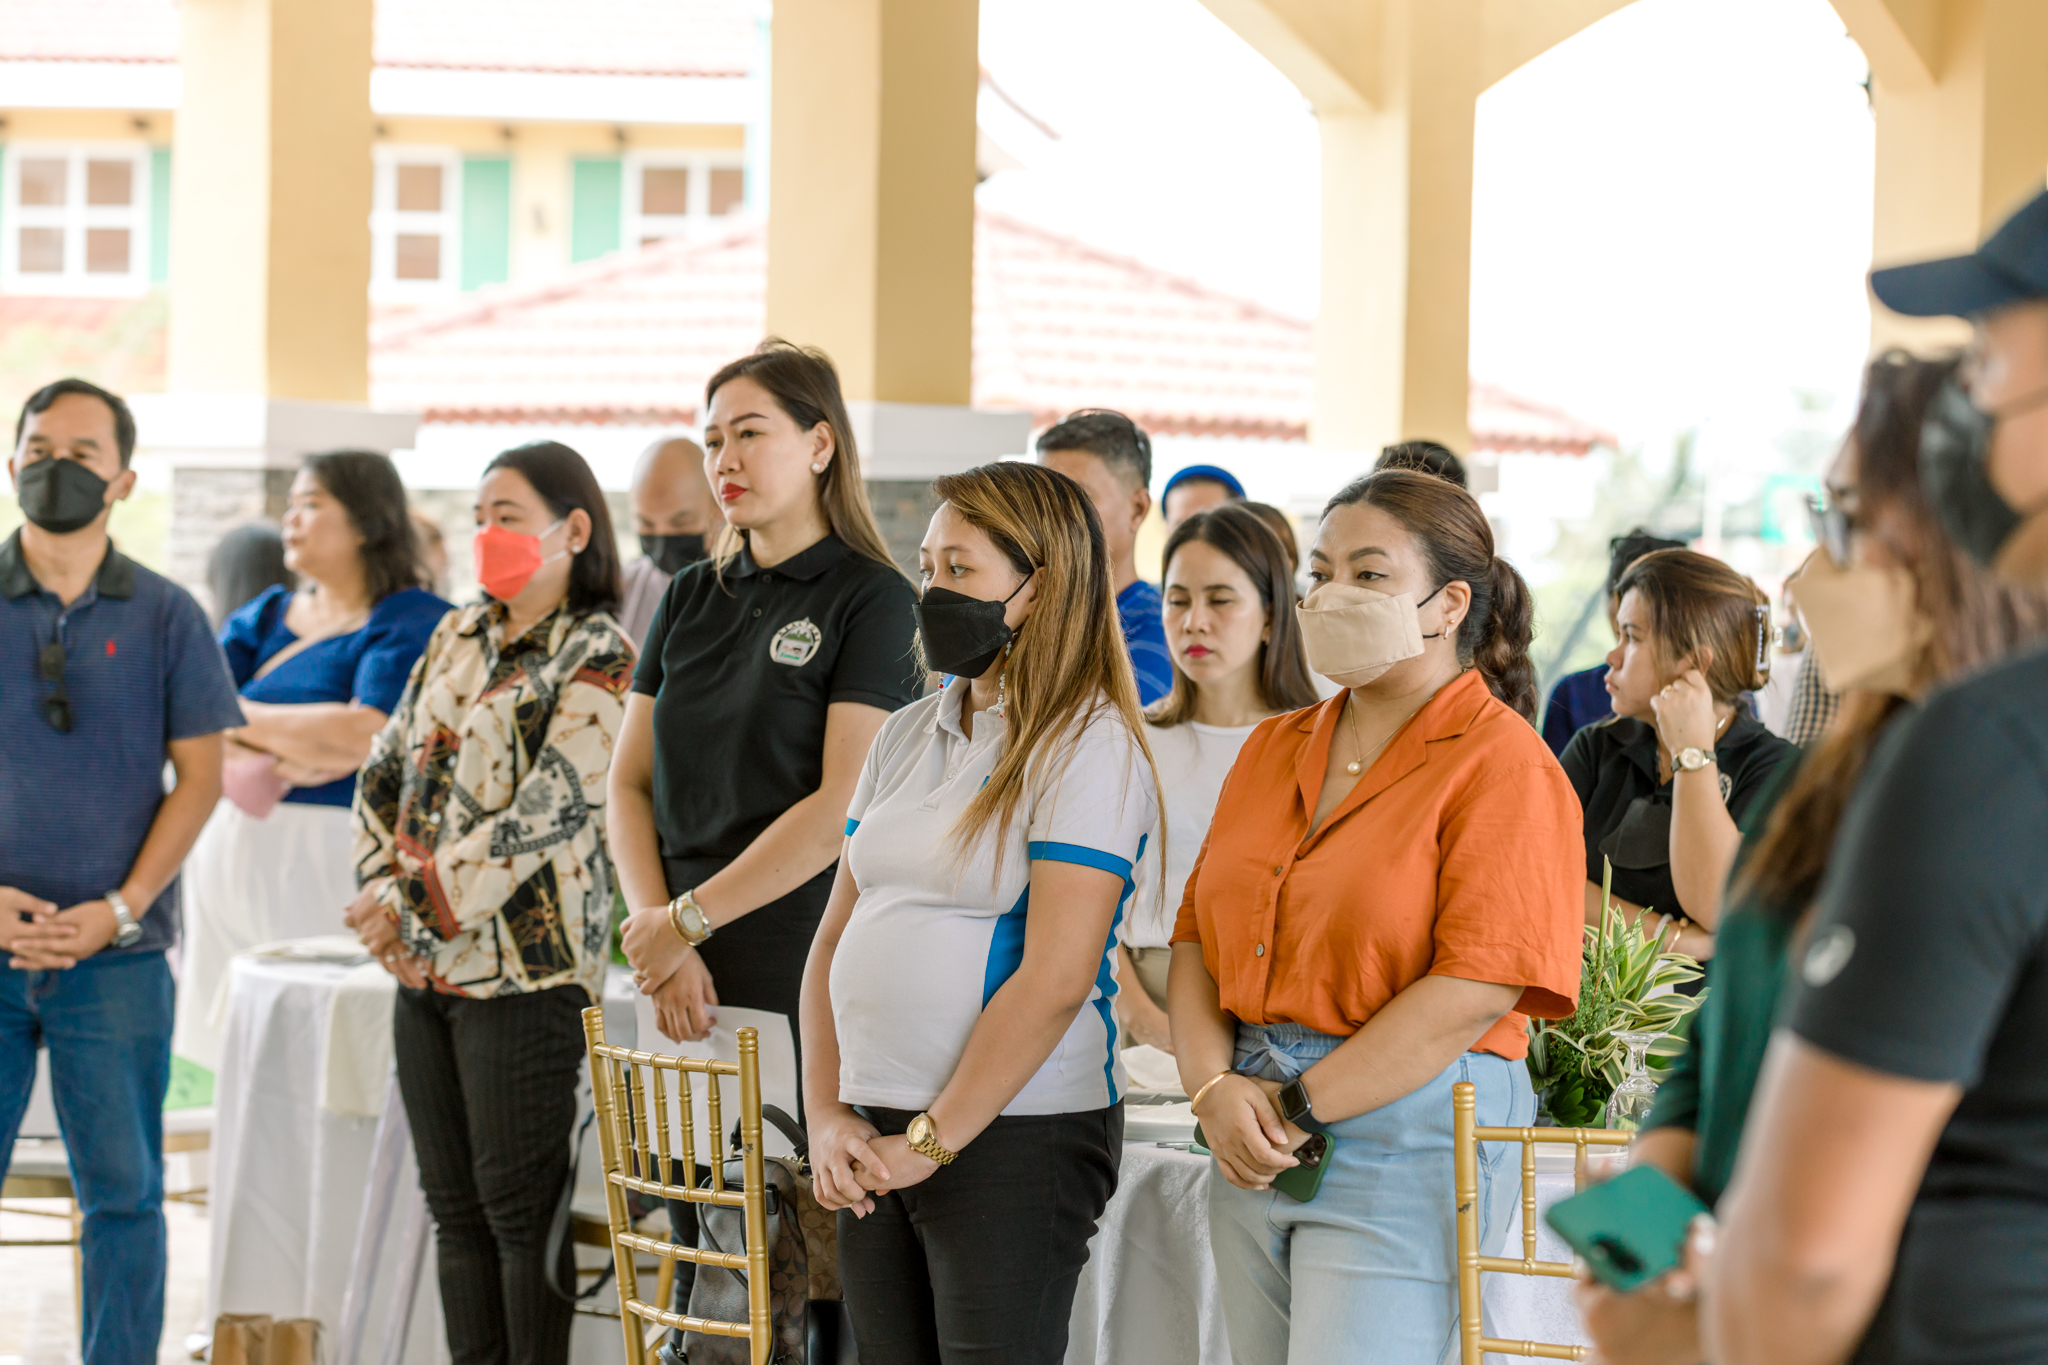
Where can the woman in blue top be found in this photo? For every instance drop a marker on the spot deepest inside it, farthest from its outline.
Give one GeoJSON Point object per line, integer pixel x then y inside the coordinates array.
{"type": "Point", "coordinates": [319, 669]}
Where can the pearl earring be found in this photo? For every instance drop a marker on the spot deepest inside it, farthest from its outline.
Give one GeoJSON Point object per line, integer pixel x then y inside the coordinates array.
{"type": "Point", "coordinates": [817, 469]}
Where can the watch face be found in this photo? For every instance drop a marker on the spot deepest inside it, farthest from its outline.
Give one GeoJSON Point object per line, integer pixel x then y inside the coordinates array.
{"type": "Point", "coordinates": [920, 1130]}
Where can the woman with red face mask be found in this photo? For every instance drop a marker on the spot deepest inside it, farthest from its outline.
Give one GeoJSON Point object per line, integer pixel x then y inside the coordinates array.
{"type": "Point", "coordinates": [487, 888]}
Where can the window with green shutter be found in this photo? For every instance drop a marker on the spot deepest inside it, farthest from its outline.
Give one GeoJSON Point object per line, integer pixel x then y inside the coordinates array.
{"type": "Point", "coordinates": [597, 207]}
{"type": "Point", "coordinates": [486, 220]}
{"type": "Point", "coordinates": [159, 215]}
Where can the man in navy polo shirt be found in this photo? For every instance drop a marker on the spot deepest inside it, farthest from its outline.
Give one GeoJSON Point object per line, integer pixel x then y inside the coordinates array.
{"type": "Point", "coordinates": [106, 671]}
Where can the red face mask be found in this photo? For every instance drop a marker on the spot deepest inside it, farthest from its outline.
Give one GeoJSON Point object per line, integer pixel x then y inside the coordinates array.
{"type": "Point", "coordinates": [506, 561]}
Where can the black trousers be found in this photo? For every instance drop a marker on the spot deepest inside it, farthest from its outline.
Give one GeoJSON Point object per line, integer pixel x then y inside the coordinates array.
{"type": "Point", "coordinates": [490, 1091]}
{"type": "Point", "coordinates": [978, 1264]}
{"type": "Point", "coordinates": [756, 963]}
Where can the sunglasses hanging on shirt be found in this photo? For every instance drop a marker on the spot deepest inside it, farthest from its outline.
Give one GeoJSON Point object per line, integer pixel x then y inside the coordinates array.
{"type": "Point", "coordinates": [56, 706]}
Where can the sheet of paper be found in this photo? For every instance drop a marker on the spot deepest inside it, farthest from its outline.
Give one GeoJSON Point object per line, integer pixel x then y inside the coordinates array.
{"type": "Point", "coordinates": [778, 1073]}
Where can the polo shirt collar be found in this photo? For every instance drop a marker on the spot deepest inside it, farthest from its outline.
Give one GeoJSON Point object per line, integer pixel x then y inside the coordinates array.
{"type": "Point", "coordinates": [806, 564]}
{"type": "Point", "coordinates": [1638, 740]}
{"type": "Point", "coordinates": [115, 578]}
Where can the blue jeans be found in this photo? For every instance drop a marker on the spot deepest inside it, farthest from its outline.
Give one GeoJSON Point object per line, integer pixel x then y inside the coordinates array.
{"type": "Point", "coordinates": [107, 1023]}
{"type": "Point", "coordinates": [1366, 1272]}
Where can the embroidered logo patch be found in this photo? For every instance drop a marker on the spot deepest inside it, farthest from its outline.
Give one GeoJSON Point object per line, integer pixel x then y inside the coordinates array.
{"type": "Point", "coordinates": [795, 643]}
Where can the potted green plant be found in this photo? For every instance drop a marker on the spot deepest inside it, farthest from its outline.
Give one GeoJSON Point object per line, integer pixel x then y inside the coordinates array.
{"type": "Point", "coordinates": [1576, 1063]}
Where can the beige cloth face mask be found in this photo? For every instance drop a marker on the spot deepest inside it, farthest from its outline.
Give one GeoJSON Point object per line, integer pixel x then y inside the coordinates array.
{"type": "Point", "coordinates": [1353, 634]}
{"type": "Point", "coordinates": [1866, 629]}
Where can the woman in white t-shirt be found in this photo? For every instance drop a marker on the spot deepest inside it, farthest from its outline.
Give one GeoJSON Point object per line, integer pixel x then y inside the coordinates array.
{"type": "Point", "coordinates": [1237, 659]}
{"type": "Point", "coordinates": [961, 1071]}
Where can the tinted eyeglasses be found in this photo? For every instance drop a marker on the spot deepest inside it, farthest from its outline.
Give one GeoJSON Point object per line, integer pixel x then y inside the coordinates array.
{"type": "Point", "coordinates": [56, 706]}
{"type": "Point", "coordinates": [1832, 523]}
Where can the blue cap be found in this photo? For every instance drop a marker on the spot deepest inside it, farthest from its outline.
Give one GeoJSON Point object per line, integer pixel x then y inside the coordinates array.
{"type": "Point", "coordinates": [1213, 473]}
{"type": "Point", "coordinates": [2011, 267]}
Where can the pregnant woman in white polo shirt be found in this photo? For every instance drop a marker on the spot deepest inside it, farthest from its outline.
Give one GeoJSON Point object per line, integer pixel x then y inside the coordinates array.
{"type": "Point", "coordinates": [960, 1042]}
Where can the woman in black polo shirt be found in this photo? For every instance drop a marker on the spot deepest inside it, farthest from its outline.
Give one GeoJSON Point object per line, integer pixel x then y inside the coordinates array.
{"type": "Point", "coordinates": [764, 678]}
{"type": "Point", "coordinates": [1667, 783]}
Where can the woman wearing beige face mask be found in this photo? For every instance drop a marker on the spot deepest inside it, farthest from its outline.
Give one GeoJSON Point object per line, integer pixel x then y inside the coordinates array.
{"type": "Point", "coordinates": [1894, 609]}
{"type": "Point", "coordinates": [1390, 888]}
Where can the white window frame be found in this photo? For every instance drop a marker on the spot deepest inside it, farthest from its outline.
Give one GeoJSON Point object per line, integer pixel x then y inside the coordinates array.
{"type": "Point", "coordinates": [387, 222]}
{"type": "Point", "coordinates": [635, 226]}
{"type": "Point", "coordinates": [74, 217]}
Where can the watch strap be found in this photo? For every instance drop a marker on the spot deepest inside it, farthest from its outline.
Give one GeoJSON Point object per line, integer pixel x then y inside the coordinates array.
{"type": "Point", "coordinates": [126, 928]}
{"type": "Point", "coordinates": [930, 1146]}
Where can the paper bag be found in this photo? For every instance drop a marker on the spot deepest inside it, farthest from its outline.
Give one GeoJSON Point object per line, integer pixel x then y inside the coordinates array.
{"type": "Point", "coordinates": [241, 1339]}
{"type": "Point", "coordinates": [256, 1339]}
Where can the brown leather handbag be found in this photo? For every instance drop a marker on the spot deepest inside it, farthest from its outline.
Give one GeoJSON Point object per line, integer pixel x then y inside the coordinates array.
{"type": "Point", "coordinates": [803, 1264]}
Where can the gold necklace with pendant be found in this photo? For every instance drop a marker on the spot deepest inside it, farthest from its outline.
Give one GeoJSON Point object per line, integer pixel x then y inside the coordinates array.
{"type": "Point", "coordinates": [1357, 765]}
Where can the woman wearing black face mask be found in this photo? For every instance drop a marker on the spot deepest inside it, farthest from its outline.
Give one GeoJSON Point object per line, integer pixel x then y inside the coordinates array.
{"type": "Point", "coordinates": [962, 1072]}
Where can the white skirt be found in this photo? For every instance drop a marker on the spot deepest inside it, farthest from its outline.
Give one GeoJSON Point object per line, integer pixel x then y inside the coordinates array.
{"type": "Point", "coordinates": [249, 882]}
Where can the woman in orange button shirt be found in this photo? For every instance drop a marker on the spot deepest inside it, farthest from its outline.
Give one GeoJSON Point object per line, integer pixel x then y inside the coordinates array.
{"type": "Point", "coordinates": [1391, 886]}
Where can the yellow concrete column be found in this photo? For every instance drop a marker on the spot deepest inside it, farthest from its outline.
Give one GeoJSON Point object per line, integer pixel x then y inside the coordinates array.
{"type": "Point", "coordinates": [1962, 129]}
{"type": "Point", "coordinates": [1392, 333]}
{"type": "Point", "coordinates": [270, 200]}
{"type": "Point", "coordinates": [871, 191]}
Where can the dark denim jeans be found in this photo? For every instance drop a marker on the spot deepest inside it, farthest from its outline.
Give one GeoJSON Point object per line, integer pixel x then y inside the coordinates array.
{"type": "Point", "coordinates": [107, 1023]}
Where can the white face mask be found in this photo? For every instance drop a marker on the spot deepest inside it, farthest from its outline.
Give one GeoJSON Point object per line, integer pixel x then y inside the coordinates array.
{"type": "Point", "coordinates": [1866, 628]}
{"type": "Point", "coordinates": [1353, 634]}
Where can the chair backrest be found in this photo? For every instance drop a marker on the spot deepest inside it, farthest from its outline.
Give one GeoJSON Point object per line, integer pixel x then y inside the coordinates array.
{"type": "Point", "coordinates": [634, 1104]}
{"type": "Point", "coordinates": [1473, 1343]}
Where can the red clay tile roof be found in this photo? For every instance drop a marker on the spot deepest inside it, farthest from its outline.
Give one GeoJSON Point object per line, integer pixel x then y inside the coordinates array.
{"type": "Point", "coordinates": [1058, 325]}
{"type": "Point", "coordinates": [604, 37]}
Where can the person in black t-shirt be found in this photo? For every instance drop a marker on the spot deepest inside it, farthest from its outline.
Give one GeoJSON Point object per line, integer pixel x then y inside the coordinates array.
{"type": "Point", "coordinates": [1667, 781]}
{"type": "Point", "coordinates": [765, 676]}
{"type": "Point", "coordinates": [1891, 1202]}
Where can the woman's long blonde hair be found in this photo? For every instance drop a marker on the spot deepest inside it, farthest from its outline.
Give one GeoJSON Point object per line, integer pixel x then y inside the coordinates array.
{"type": "Point", "coordinates": [805, 385]}
{"type": "Point", "coordinates": [1068, 661]}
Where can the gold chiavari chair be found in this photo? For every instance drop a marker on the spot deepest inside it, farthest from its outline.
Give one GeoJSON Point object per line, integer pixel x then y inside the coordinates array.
{"type": "Point", "coordinates": [633, 1106]}
{"type": "Point", "coordinates": [1473, 1343]}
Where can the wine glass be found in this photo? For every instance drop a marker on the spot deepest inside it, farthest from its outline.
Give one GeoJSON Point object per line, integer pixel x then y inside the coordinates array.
{"type": "Point", "coordinates": [1630, 1104]}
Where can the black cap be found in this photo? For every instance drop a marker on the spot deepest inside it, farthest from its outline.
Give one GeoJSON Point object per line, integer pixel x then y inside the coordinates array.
{"type": "Point", "coordinates": [2011, 267]}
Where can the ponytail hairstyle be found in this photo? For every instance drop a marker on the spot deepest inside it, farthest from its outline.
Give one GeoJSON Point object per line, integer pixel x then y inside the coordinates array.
{"type": "Point", "coordinates": [1696, 602]}
{"type": "Point", "coordinates": [1068, 663]}
{"type": "Point", "coordinates": [804, 384]}
{"type": "Point", "coordinates": [1457, 544]}
{"type": "Point", "coordinates": [1237, 529]}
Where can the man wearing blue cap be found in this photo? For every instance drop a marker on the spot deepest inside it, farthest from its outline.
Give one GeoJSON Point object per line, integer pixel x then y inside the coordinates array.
{"type": "Point", "coordinates": [1892, 1200]}
{"type": "Point", "coordinates": [1197, 488]}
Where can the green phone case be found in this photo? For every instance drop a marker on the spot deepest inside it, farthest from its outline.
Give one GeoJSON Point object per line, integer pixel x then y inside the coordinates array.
{"type": "Point", "coordinates": [1298, 1183]}
{"type": "Point", "coordinates": [1630, 1229]}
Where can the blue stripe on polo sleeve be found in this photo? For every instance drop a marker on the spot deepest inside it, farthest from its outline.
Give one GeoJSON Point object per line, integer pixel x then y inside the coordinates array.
{"type": "Point", "coordinates": [1047, 851]}
{"type": "Point", "coordinates": [851, 826]}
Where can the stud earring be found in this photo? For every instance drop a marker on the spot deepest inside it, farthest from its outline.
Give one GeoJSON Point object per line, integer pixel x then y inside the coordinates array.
{"type": "Point", "coordinates": [817, 469]}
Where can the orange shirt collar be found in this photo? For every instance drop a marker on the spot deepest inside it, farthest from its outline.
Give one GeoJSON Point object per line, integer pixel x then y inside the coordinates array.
{"type": "Point", "coordinates": [1446, 715]}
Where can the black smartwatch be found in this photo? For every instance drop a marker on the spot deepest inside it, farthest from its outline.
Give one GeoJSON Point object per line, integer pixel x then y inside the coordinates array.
{"type": "Point", "coordinates": [1296, 1108]}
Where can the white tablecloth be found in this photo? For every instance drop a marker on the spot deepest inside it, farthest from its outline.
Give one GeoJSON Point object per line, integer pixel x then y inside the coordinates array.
{"type": "Point", "coordinates": [290, 1174]}
{"type": "Point", "coordinates": [1148, 1295]}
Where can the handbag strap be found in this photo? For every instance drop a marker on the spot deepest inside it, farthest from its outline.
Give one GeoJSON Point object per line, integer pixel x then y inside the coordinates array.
{"type": "Point", "coordinates": [558, 1229]}
{"type": "Point", "coordinates": [783, 1123]}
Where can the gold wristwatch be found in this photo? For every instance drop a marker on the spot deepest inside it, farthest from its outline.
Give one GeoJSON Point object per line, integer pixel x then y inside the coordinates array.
{"type": "Point", "coordinates": [688, 919]}
{"type": "Point", "coordinates": [924, 1140]}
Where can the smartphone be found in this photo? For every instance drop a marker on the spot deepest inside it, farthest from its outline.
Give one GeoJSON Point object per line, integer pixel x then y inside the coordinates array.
{"type": "Point", "coordinates": [1630, 1229]}
{"type": "Point", "coordinates": [1301, 1182]}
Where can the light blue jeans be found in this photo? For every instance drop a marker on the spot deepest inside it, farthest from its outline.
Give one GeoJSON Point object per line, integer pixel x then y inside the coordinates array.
{"type": "Point", "coordinates": [1365, 1273]}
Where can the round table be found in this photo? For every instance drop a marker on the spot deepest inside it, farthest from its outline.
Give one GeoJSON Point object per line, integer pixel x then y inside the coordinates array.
{"type": "Point", "coordinates": [1148, 1295]}
{"type": "Point", "coordinates": [304, 1061]}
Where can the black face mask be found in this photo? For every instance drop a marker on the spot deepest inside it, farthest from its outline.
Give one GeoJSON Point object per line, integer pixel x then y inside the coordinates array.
{"type": "Point", "coordinates": [672, 554]}
{"type": "Point", "coordinates": [61, 496]}
{"type": "Point", "coordinates": [962, 634]}
{"type": "Point", "coordinates": [1955, 449]}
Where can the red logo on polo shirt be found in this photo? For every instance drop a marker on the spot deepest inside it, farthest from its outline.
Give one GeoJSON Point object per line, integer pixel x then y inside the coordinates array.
{"type": "Point", "coordinates": [110, 649]}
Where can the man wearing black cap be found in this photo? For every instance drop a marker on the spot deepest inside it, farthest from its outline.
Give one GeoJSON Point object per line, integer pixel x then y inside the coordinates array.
{"type": "Point", "coordinates": [1892, 1199]}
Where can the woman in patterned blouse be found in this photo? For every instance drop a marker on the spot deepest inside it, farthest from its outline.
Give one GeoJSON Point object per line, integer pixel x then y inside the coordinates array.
{"type": "Point", "coordinates": [487, 890]}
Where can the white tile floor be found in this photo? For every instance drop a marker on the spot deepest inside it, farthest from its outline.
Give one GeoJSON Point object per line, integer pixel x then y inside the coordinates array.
{"type": "Point", "coordinates": [38, 1316]}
